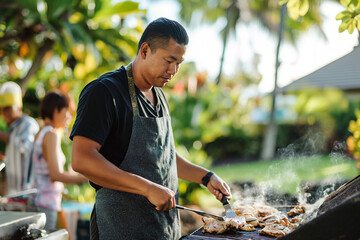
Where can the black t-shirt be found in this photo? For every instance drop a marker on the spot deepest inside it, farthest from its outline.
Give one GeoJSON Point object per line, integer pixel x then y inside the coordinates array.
{"type": "Point", "coordinates": [105, 115]}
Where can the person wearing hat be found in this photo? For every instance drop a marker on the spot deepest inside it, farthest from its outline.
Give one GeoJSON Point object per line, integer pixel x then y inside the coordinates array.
{"type": "Point", "coordinates": [19, 138]}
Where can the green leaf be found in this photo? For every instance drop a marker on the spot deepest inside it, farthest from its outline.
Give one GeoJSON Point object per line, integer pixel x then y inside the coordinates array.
{"type": "Point", "coordinates": [282, 2]}
{"type": "Point", "coordinates": [357, 4]}
{"type": "Point", "coordinates": [354, 5]}
{"type": "Point", "coordinates": [304, 7]}
{"type": "Point", "coordinates": [56, 7]}
{"type": "Point", "coordinates": [293, 4]}
{"type": "Point", "coordinates": [122, 9]}
{"type": "Point", "coordinates": [294, 13]}
{"type": "Point", "coordinates": [343, 14]}
{"type": "Point", "coordinates": [352, 26]}
{"type": "Point", "coordinates": [344, 24]}
{"type": "Point", "coordinates": [345, 3]}
{"type": "Point", "coordinates": [28, 4]}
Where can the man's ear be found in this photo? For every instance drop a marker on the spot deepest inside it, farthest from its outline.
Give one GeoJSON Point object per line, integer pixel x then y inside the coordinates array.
{"type": "Point", "coordinates": [144, 50]}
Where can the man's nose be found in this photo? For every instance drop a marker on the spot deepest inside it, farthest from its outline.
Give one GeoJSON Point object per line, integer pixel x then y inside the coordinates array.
{"type": "Point", "coordinates": [172, 69]}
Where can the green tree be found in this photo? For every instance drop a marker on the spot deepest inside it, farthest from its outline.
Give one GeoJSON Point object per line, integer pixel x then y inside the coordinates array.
{"type": "Point", "coordinates": [234, 13]}
{"type": "Point", "coordinates": [350, 18]}
{"type": "Point", "coordinates": [268, 13]}
{"type": "Point", "coordinates": [44, 43]}
{"type": "Point", "coordinates": [57, 40]}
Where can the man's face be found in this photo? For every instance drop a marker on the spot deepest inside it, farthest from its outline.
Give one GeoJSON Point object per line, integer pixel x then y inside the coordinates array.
{"type": "Point", "coordinates": [163, 64]}
{"type": "Point", "coordinates": [7, 114]}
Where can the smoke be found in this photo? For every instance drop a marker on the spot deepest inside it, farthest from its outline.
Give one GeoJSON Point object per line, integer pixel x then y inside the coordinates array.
{"type": "Point", "coordinates": [296, 161]}
{"type": "Point", "coordinates": [308, 145]}
{"type": "Point", "coordinates": [338, 152]}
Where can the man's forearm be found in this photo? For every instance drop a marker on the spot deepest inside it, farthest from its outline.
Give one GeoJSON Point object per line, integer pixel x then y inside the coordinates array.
{"type": "Point", "coordinates": [189, 171]}
{"type": "Point", "coordinates": [192, 172]}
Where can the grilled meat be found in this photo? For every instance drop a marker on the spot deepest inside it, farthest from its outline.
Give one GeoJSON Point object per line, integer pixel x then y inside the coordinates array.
{"type": "Point", "coordinates": [297, 210]}
{"type": "Point", "coordinates": [214, 226]}
{"type": "Point", "coordinates": [275, 230]}
{"type": "Point", "coordinates": [273, 222]}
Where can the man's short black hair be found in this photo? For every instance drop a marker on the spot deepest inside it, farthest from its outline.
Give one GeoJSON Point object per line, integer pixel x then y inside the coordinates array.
{"type": "Point", "coordinates": [158, 33]}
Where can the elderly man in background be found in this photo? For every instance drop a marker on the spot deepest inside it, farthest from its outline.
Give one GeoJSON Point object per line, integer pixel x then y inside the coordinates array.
{"type": "Point", "coordinates": [19, 138]}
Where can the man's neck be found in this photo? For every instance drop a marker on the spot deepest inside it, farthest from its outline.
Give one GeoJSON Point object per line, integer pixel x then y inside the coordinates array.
{"type": "Point", "coordinates": [14, 118]}
{"type": "Point", "coordinates": [139, 81]}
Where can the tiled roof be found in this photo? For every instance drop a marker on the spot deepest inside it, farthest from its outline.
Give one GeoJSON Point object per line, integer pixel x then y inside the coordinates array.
{"type": "Point", "coordinates": [343, 73]}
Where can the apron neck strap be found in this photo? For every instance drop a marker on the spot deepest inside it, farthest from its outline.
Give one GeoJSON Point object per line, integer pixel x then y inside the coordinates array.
{"type": "Point", "coordinates": [132, 89]}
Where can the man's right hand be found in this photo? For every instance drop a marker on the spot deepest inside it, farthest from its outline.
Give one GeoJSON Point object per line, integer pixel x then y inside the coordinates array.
{"type": "Point", "coordinates": [161, 197]}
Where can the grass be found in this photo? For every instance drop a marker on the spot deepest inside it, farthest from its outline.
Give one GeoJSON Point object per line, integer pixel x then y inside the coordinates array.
{"type": "Point", "coordinates": [286, 175]}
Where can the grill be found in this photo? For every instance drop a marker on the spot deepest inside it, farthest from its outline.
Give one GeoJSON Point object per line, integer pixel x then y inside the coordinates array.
{"type": "Point", "coordinates": [337, 218]}
{"type": "Point", "coordinates": [27, 225]}
{"type": "Point", "coordinates": [241, 235]}
{"type": "Point", "coordinates": [197, 235]}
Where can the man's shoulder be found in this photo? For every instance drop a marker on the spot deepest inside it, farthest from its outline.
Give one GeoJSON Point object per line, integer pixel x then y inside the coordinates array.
{"type": "Point", "coordinates": [29, 121]}
{"type": "Point", "coordinates": [25, 127]}
{"type": "Point", "coordinates": [118, 73]}
{"type": "Point", "coordinates": [116, 78]}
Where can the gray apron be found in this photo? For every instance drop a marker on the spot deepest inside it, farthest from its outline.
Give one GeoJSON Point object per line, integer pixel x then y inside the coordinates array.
{"type": "Point", "coordinates": [151, 154]}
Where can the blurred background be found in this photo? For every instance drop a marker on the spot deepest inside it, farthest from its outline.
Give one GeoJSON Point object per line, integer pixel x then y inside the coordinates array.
{"type": "Point", "coordinates": [268, 96]}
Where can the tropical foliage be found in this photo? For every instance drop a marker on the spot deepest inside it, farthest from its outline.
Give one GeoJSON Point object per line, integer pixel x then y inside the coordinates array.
{"type": "Point", "coordinates": [48, 42]}
{"type": "Point", "coordinates": [353, 141]}
{"type": "Point", "coordinates": [350, 18]}
{"type": "Point", "coordinates": [234, 13]}
{"type": "Point", "coordinates": [53, 44]}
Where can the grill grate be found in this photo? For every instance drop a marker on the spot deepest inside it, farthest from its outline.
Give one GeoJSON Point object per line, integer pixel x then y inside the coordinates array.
{"type": "Point", "coordinates": [337, 219]}
{"type": "Point", "coordinates": [240, 235]}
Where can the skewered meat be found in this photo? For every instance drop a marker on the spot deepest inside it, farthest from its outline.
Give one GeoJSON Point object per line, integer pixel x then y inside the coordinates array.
{"type": "Point", "coordinates": [297, 210]}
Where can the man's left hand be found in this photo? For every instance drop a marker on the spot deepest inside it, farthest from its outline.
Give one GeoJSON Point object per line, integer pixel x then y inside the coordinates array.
{"type": "Point", "coordinates": [218, 187]}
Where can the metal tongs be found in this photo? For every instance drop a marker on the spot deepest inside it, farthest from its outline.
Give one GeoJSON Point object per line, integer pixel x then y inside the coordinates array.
{"type": "Point", "coordinates": [201, 213]}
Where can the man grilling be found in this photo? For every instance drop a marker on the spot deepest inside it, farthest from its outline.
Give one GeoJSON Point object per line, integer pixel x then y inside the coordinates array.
{"type": "Point", "coordinates": [123, 142]}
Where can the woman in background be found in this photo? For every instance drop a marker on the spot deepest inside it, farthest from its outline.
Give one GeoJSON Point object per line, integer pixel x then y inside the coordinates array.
{"type": "Point", "coordinates": [49, 159]}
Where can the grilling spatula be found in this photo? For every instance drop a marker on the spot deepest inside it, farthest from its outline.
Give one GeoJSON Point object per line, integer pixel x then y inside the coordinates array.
{"type": "Point", "coordinates": [229, 213]}
{"type": "Point", "coordinates": [201, 213]}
